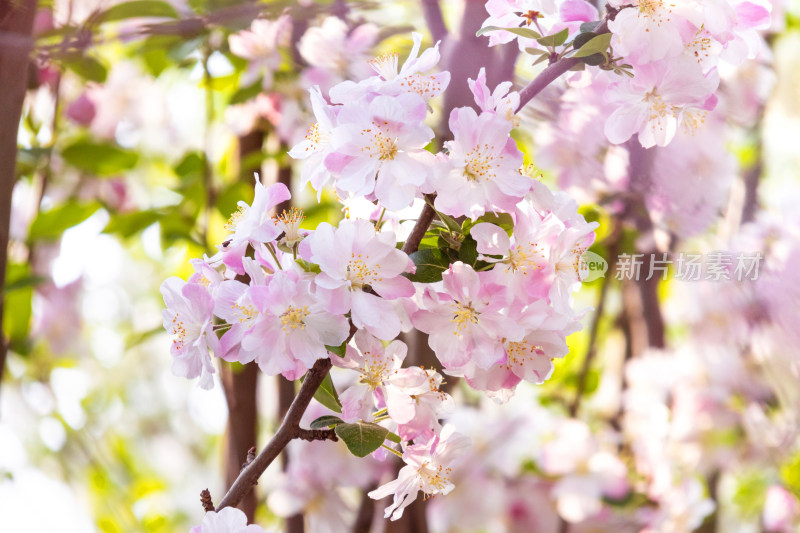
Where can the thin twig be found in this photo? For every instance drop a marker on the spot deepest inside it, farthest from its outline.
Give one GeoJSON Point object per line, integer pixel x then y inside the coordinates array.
{"type": "Point", "coordinates": [553, 71]}
{"type": "Point", "coordinates": [290, 429]}
{"type": "Point", "coordinates": [613, 251]}
{"type": "Point", "coordinates": [205, 499]}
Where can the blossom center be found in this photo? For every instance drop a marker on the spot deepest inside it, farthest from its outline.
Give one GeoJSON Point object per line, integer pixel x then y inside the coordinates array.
{"type": "Point", "coordinates": [524, 257]}
{"type": "Point", "coordinates": [385, 66]}
{"type": "Point", "coordinates": [520, 353]}
{"type": "Point", "coordinates": [314, 136]}
{"type": "Point", "coordinates": [359, 273]}
{"type": "Point", "coordinates": [374, 371]}
{"type": "Point", "coordinates": [236, 217]}
{"type": "Point", "coordinates": [244, 313]}
{"type": "Point", "coordinates": [463, 317]}
{"type": "Point", "coordinates": [434, 479]}
{"type": "Point", "coordinates": [293, 318]}
{"type": "Point", "coordinates": [381, 144]}
{"type": "Point", "coordinates": [480, 164]}
{"type": "Point", "coordinates": [289, 221]}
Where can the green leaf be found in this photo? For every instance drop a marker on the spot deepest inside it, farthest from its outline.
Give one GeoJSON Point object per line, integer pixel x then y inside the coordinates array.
{"type": "Point", "coordinates": [129, 224]}
{"type": "Point", "coordinates": [394, 437]}
{"type": "Point", "coordinates": [537, 52]}
{"type": "Point", "coordinates": [326, 421]}
{"type": "Point", "coordinates": [338, 350]}
{"type": "Point", "coordinates": [246, 93]}
{"type": "Point", "coordinates": [589, 26]}
{"type": "Point", "coordinates": [362, 438]}
{"type": "Point", "coordinates": [596, 45]}
{"type": "Point", "coordinates": [17, 318]}
{"type": "Point", "coordinates": [521, 32]}
{"type": "Point", "coordinates": [557, 39]}
{"type": "Point", "coordinates": [430, 263]}
{"type": "Point", "coordinates": [327, 396]}
{"type": "Point", "coordinates": [49, 225]}
{"type": "Point", "coordinates": [138, 8]}
{"type": "Point", "coordinates": [84, 66]}
{"type": "Point", "coordinates": [450, 222]}
{"type": "Point", "coordinates": [503, 220]}
{"type": "Point", "coordinates": [24, 283]}
{"type": "Point", "coordinates": [468, 253]}
{"type": "Point", "coordinates": [99, 159]}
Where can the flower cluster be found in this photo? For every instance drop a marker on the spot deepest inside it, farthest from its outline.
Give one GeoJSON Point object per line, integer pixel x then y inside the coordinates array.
{"type": "Point", "coordinates": [671, 51]}
{"type": "Point", "coordinates": [493, 290]}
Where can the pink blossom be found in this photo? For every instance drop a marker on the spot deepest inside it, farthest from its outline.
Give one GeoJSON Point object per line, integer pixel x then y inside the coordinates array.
{"type": "Point", "coordinates": [336, 52]}
{"type": "Point", "coordinates": [428, 469]}
{"type": "Point", "coordinates": [543, 16]}
{"type": "Point", "coordinates": [228, 520]}
{"type": "Point", "coordinates": [189, 316]}
{"type": "Point", "coordinates": [375, 365]}
{"type": "Point", "coordinates": [483, 166]}
{"type": "Point", "coordinates": [466, 321]}
{"type": "Point", "coordinates": [82, 110]}
{"type": "Point", "coordinates": [292, 328]}
{"type": "Point", "coordinates": [259, 46]}
{"type": "Point", "coordinates": [354, 258]}
{"type": "Point", "coordinates": [393, 81]}
{"type": "Point", "coordinates": [781, 510]}
{"type": "Point", "coordinates": [649, 30]}
{"type": "Point", "coordinates": [415, 403]}
{"type": "Point", "coordinates": [379, 148]}
{"type": "Point", "coordinates": [315, 147]}
{"type": "Point", "coordinates": [530, 359]}
{"type": "Point", "coordinates": [252, 224]}
{"type": "Point", "coordinates": [658, 99]}
{"type": "Point", "coordinates": [502, 100]}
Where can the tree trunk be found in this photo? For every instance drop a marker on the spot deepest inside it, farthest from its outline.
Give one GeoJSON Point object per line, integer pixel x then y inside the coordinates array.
{"type": "Point", "coordinates": [16, 43]}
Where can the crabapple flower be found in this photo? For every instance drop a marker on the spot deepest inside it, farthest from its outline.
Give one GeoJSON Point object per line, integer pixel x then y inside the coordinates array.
{"type": "Point", "coordinates": [189, 316]}
{"type": "Point", "coordinates": [292, 328]}
{"type": "Point", "coordinates": [335, 52]}
{"type": "Point", "coordinates": [649, 30]}
{"type": "Point", "coordinates": [228, 520]}
{"type": "Point", "coordinates": [415, 403]}
{"type": "Point", "coordinates": [589, 472]}
{"type": "Point", "coordinates": [315, 147]}
{"type": "Point", "coordinates": [355, 261]}
{"type": "Point", "coordinates": [781, 510]}
{"type": "Point", "coordinates": [428, 469]}
{"type": "Point", "coordinates": [466, 321]}
{"type": "Point", "coordinates": [252, 224]}
{"type": "Point", "coordinates": [530, 359]}
{"type": "Point", "coordinates": [379, 148]}
{"type": "Point", "coordinates": [483, 166]}
{"type": "Point", "coordinates": [393, 81]}
{"type": "Point", "coordinates": [502, 100]}
{"type": "Point", "coordinates": [543, 16]}
{"type": "Point", "coordinates": [375, 365]}
{"type": "Point", "coordinates": [259, 46]}
{"type": "Point", "coordinates": [658, 99]}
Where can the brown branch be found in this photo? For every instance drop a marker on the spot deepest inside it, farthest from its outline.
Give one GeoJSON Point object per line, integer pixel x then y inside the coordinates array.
{"type": "Point", "coordinates": [289, 429]}
{"type": "Point", "coordinates": [552, 72]}
{"type": "Point", "coordinates": [432, 12]}
{"type": "Point", "coordinates": [423, 223]}
{"type": "Point", "coordinates": [205, 499]}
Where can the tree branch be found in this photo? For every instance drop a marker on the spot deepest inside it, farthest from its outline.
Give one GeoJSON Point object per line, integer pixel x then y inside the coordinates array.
{"type": "Point", "coordinates": [432, 12]}
{"type": "Point", "coordinates": [290, 429]}
{"type": "Point", "coordinates": [423, 223]}
{"type": "Point", "coordinates": [552, 72]}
